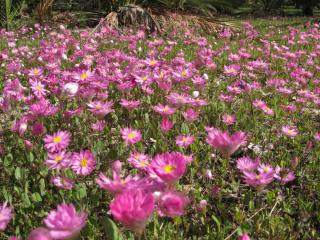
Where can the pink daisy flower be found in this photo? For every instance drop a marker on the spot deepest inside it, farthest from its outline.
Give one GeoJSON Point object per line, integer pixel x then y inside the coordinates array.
{"type": "Point", "coordinates": [290, 131]}
{"type": "Point", "coordinates": [164, 110]}
{"type": "Point", "coordinates": [130, 104]}
{"type": "Point", "coordinates": [184, 141]}
{"type": "Point", "coordinates": [226, 144]}
{"type": "Point", "coordinates": [100, 109]}
{"type": "Point", "coordinates": [317, 136]}
{"type": "Point", "coordinates": [166, 125]}
{"type": "Point", "coordinates": [5, 216]}
{"type": "Point", "coordinates": [38, 89]}
{"type": "Point", "coordinates": [190, 115]}
{"type": "Point", "coordinates": [172, 204]}
{"type": "Point", "coordinates": [228, 119]}
{"type": "Point", "coordinates": [133, 209]}
{"type": "Point", "coordinates": [169, 166]}
{"type": "Point", "coordinates": [139, 160]}
{"type": "Point", "coordinates": [284, 175]}
{"type": "Point", "coordinates": [58, 160]}
{"type": "Point", "coordinates": [98, 126]}
{"type": "Point", "coordinates": [62, 182]}
{"type": "Point", "coordinates": [57, 142]}
{"type": "Point", "coordinates": [130, 136]}
{"type": "Point", "coordinates": [247, 164]}
{"type": "Point", "coordinates": [83, 163]}
{"type": "Point", "coordinates": [65, 222]}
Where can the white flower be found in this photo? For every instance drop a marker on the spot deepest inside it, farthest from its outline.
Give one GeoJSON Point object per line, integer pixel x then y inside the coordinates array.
{"type": "Point", "coordinates": [195, 94]}
{"type": "Point", "coordinates": [205, 76]}
{"type": "Point", "coordinates": [70, 89]}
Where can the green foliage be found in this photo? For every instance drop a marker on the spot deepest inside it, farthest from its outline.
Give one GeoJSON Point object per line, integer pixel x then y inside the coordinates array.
{"type": "Point", "coordinates": [9, 12]}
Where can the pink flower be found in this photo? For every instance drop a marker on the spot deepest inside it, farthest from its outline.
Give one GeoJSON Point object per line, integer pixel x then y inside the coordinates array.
{"type": "Point", "coordinates": [139, 160]}
{"type": "Point", "coordinates": [232, 70]}
{"type": "Point", "coordinates": [5, 216]}
{"type": "Point", "coordinates": [65, 222]}
{"type": "Point", "coordinates": [38, 89]}
{"type": "Point", "coordinates": [164, 110]}
{"type": "Point", "coordinates": [38, 129]}
{"type": "Point", "coordinates": [40, 234]}
{"type": "Point", "coordinates": [62, 182]}
{"type": "Point", "coordinates": [290, 131]}
{"type": "Point", "coordinates": [132, 209]}
{"type": "Point", "coordinates": [247, 164]}
{"type": "Point", "coordinates": [59, 160]}
{"type": "Point", "coordinates": [83, 163]}
{"type": "Point", "coordinates": [98, 126]}
{"type": "Point", "coordinates": [169, 166]}
{"type": "Point", "coordinates": [131, 136]}
{"type": "Point", "coordinates": [284, 175]}
{"type": "Point", "coordinates": [190, 115]}
{"type": "Point", "coordinates": [100, 109]}
{"type": "Point", "coordinates": [184, 141]}
{"type": "Point", "coordinates": [244, 237]}
{"type": "Point", "coordinates": [225, 143]}
{"type": "Point", "coordinates": [57, 142]}
{"type": "Point", "coordinates": [317, 136]}
{"type": "Point", "coordinates": [257, 180]}
{"type": "Point", "coordinates": [129, 104]}
{"type": "Point", "coordinates": [172, 204]}
{"type": "Point", "coordinates": [166, 125]}
{"type": "Point", "coordinates": [228, 119]}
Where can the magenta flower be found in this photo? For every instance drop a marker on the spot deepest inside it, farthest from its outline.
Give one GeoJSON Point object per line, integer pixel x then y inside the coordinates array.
{"type": "Point", "coordinates": [132, 209]}
{"type": "Point", "coordinates": [5, 216]}
{"type": "Point", "coordinates": [62, 182]}
{"type": "Point", "coordinates": [284, 175]}
{"type": "Point", "coordinates": [38, 129]}
{"type": "Point", "coordinates": [57, 142]}
{"type": "Point", "coordinates": [225, 143]}
{"type": "Point", "coordinates": [98, 126]}
{"type": "Point", "coordinates": [172, 204]}
{"type": "Point", "coordinates": [139, 160]}
{"type": "Point", "coordinates": [59, 160]}
{"type": "Point", "coordinates": [38, 89]}
{"type": "Point", "coordinates": [130, 136]}
{"type": "Point", "coordinates": [184, 141]}
{"type": "Point", "coordinates": [232, 70]}
{"type": "Point", "coordinates": [83, 163]}
{"type": "Point", "coordinates": [65, 222]}
{"type": "Point", "coordinates": [257, 180]}
{"type": "Point", "coordinates": [317, 136]}
{"type": "Point", "coordinates": [130, 104]}
{"type": "Point", "coordinates": [40, 234]}
{"type": "Point", "coordinates": [190, 115]}
{"type": "Point", "coordinates": [244, 237]}
{"type": "Point", "coordinates": [247, 164]}
{"type": "Point", "coordinates": [169, 166]}
{"type": "Point", "coordinates": [166, 125]}
{"type": "Point", "coordinates": [164, 110]}
{"type": "Point", "coordinates": [290, 131]}
{"type": "Point", "coordinates": [228, 119]}
{"type": "Point", "coordinates": [100, 109]}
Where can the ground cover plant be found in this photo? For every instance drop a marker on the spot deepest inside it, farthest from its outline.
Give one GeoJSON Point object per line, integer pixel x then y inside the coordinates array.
{"type": "Point", "coordinates": [121, 135]}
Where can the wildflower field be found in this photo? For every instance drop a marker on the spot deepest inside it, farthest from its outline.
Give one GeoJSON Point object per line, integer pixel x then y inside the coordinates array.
{"type": "Point", "coordinates": [125, 135]}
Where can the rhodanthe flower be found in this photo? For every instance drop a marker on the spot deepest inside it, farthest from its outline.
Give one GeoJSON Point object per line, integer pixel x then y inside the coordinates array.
{"type": "Point", "coordinates": [169, 166]}
{"type": "Point", "coordinates": [131, 136]}
{"type": "Point", "coordinates": [57, 142]}
{"type": "Point", "coordinates": [65, 222]}
{"type": "Point", "coordinates": [5, 216]}
{"type": "Point", "coordinates": [226, 144]}
{"type": "Point", "coordinates": [172, 204]}
{"type": "Point", "coordinates": [133, 209]}
{"type": "Point", "coordinates": [83, 163]}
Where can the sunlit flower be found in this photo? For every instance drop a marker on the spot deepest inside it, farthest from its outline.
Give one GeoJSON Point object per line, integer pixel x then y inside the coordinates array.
{"type": "Point", "coordinates": [5, 216]}
{"type": "Point", "coordinates": [130, 136]}
{"type": "Point", "coordinates": [57, 142]}
{"type": "Point", "coordinates": [83, 163]}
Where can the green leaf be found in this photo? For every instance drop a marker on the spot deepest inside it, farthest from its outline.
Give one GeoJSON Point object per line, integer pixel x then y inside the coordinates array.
{"type": "Point", "coordinates": [110, 229]}
{"type": "Point", "coordinates": [36, 197]}
{"type": "Point", "coordinates": [17, 173]}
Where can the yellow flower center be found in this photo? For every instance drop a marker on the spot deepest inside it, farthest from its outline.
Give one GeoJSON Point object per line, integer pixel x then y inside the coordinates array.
{"type": "Point", "coordinates": [131, 135]}
{"type": "Point", "coordinates": [168, 168]}
{"type": "Point", "coordinates": [290, 131]}
{"type": "Point", "coordinates": [258, 177]}
{"type": "Point", "coordinates": [58, 159]}
{"type": "Point", "coordinates": [153, 62]}
{"type": "Point", "coordinates": [184, 140]}
{"type": "Point", "coordinates": [98, 106]}
{"type": "Point", "coordinates": [266, 169]}
{"type": "Point", "coordinates": [39, 87]}
{"type": "Point", "coordinates": [143, 164]}
{"type": "Point", "coordinates": [145, 78]}
{"type": "Point", "coordinates": [232, 70]}
{"type": "Point", "coordinates": [84, 162]}
{"type": "Point", "coordinates": [57, 139]}
{"type": "Point", "coordinates": [184, 73]}
{"type": "Point", "coordinates": [36, 71]}
{"type": "Point", "coordinates": [228, 119]}
{"type": "Point", "coordinates": [84, 76]}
